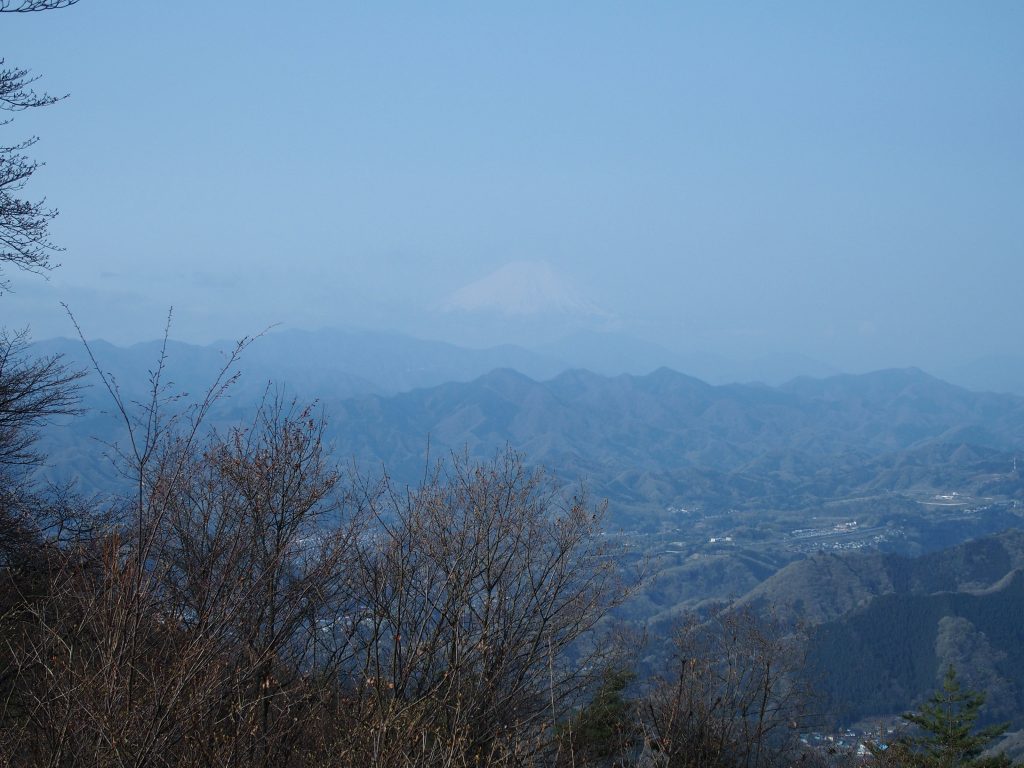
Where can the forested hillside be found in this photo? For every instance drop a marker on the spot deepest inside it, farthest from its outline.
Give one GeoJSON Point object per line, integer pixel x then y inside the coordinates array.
{"type": "Point", "coordinates": [647, 441]}
{"type": "Point", "coordinates": [885, 627]}
{"type": "Point", "coordinates": [823, 587]}
{"type": "Point", "coordinates": [885, 656]}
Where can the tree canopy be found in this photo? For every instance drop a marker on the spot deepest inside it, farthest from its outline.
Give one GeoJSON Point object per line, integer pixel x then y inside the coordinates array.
{"type": "Point", "coordinates": [946, 734]}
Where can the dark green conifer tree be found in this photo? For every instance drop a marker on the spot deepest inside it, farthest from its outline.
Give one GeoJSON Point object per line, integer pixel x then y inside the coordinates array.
{"type": "Point", "coordinates": [602, 732]}
{"type": "Point", "coordinates": [947, 736]}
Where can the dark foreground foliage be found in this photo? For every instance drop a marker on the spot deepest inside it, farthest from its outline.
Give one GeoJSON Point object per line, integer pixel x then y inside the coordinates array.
{"type": "Point", "coordinates": [244, 609]}
{"type": "Point", "coordinates": [248, 604]}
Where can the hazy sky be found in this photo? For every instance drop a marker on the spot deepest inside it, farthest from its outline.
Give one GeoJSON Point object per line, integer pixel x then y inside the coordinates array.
{"type": "Point", "coordinates": [839, 180]}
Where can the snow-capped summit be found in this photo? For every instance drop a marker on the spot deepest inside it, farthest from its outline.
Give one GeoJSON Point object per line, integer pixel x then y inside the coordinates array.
{"type": "Point", "coordinates": [522, 288]}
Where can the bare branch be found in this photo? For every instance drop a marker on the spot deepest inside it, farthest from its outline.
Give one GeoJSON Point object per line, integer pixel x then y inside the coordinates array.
{"type": "Point", "coordinates": [24, 224]}
{"type": "Point", "coordinates": [32, 391]}
{"type": "Point", "coordinates": [30, 6]}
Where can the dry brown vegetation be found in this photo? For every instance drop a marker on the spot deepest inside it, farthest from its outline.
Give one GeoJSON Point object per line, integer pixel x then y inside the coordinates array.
{"type": "Point", "coordinates": [249, 604]}
{"type": "Point", "coordinates": [245, 606]}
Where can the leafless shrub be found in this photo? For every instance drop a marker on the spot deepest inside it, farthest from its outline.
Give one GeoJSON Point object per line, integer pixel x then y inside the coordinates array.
{"type": "Point", "coordinates": [476, 589]}
{"type": "Point", "coordinates": [734, 697]}
{"type": "Point", "coordinates": [240, 608]}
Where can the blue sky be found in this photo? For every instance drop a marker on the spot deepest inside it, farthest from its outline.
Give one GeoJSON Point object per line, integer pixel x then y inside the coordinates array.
{"type": "Point", "coordinates": [838, 180]}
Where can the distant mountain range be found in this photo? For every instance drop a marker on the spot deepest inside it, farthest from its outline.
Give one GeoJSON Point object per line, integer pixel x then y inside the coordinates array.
{"type": "Point", "coordinates": [336, 363]}
{"type": "Point", "coordinates": [326, 364]}
{"type": "Point", "coordinates": [641, 441]}
{"type": "Point", "coordinates": [680, 461]}
{"type": "Point", "coordinates": [650, 439]}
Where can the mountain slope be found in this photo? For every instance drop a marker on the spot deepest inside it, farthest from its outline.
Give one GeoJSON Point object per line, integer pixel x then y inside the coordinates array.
{"type": "Point", "coordinates": [886, 656]}
{"type": "Point", "coordinates": [885, 431]}
{"type": "Point", "coordinates": [326, 364]}
{"type": "Point", "coordinates": [646, 441]}
{"type": "Point", "coordinates": [824, 587]}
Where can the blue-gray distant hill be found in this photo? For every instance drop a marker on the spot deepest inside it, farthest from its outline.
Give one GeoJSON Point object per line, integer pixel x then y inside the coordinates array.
{"type": "Point", "coordinates": [643, 438]}
{"type": "Point", "coordinates": [328, 364]}
{"type": "Point", "coordinates": [641, 441]}
{"type": "Point", "coordinates": [612, 353]}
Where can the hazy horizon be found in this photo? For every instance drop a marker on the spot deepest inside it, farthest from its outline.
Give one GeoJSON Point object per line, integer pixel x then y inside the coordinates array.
{"type": "Point", "coordinates": [836, 183]}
